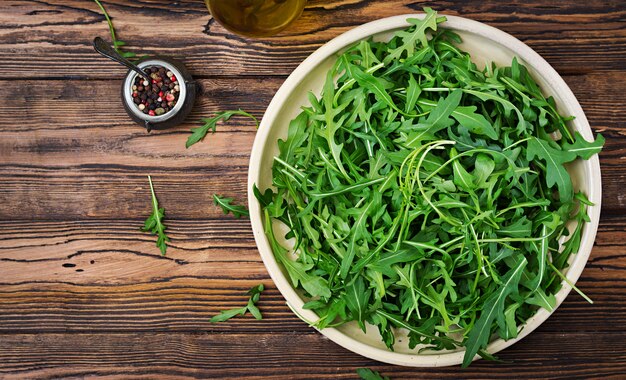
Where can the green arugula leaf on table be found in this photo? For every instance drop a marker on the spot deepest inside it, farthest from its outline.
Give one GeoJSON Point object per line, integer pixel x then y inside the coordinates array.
{"type": "Point", "coordinates": [210, 124]}
{"type": "Point", "coordinates": [227, 206]}
{"type": "Point", "coordinates": [154, 223]}
{"type": "Point", "coordinates": [251, 307]}
{"type": "Point", "coordinates": [368, 374]}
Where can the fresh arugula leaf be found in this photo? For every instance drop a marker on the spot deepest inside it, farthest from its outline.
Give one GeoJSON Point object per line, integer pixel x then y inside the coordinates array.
{"type": "Point", "coordinates": [227, 206]}
{"type": "Point", "coordinates": [541, 299]}
{"type": "Point", "coordinates": [492, 309]}
{"type": "Point", "coordinates": [476, 123]}
{"type": "Point", "coordinates": [511, 324]}
{"type": "Point", "coordinates": [413, 92]}
{"type": "Point", "coordinates": [210, 124]}
{"type": "Point", "coordinates": [332, 126]}
{"type": "Point", "coordinates": [154, 223]}
{"type": "Point", "coordinates": [225, 315]}
{"type": "Point", "coordinates": [555, 158]}
{"type": "Point", "coordinates": [357, 300]}
{"type": "Point", "coordinates": [584, 149]}
{"type": "Point", "coordinates": [520, 228]}
{"type": "Point", "coordinates": [438, 119]}
{"type": "Point", "coordinates": [251, 307]}
{"type": "Point", "coordinates": [368, 374]}
{"type": "Point", "coordinates": [462, 177]}
{"type": "Point", "coordinates": [483, 168]}
{"type": "Point", "coordinates": [413, 35]}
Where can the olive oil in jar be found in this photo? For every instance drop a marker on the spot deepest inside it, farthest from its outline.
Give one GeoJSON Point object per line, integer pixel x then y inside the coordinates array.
{"type": "Point", "coordinates": [255, 18]}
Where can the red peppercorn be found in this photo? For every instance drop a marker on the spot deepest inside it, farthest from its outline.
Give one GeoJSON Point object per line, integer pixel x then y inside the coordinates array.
{"type": "Point", "coordinates": [173, 78]}
{"type": "Point", "coordinates": [160, 94]}
{"type": "Point", "coordinates": [134, 94]}
{"type": "Point", "coordinates": [151, 113]}
{"type": "Point", "coordinates": [153, 81]}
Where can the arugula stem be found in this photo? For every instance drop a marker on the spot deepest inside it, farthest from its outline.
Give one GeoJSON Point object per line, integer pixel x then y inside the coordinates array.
{"type": "Point", "coordinates": [110, 23]}
{"type": "Point", "coordinates": [564, 278]}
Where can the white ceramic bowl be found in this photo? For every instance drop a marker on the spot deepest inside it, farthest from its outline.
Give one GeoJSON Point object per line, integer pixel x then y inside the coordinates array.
{"type": "Point", "coordinates": [485, 44]}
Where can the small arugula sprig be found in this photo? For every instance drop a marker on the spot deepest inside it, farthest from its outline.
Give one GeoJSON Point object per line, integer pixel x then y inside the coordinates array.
{"type": "Point", "coordinates": [154, 223]}
{"type": "Point", "coordinates": [198, 134]}
{"type": "Point", "coordinates": [368, 374]}
{"type": "Point", "coordinates": [225, 204]}
{"type": "Point", "coordinates": [251, 307]}
{"type": "Point", "coordinates": [117, 44]}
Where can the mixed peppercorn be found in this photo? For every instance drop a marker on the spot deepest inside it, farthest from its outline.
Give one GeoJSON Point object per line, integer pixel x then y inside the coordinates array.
{"type": "Point", "coordinates": [157, 96]}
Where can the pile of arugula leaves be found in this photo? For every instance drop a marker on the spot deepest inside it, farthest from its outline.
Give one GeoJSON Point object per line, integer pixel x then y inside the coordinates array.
{"type": "Point", "coordinates": [423, 193]}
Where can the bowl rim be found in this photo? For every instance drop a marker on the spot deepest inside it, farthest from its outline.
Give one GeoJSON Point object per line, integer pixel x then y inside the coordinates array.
{"type": "Point", "coordinates": [527, 55]}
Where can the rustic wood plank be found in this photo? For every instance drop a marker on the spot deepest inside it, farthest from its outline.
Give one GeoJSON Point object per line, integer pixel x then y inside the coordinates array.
{"type": "Point", "coordinates": [52, 38]}
{"type": "Point", "coordinates": [185, 304]}
{"type": "Point", "coordinates": [71, 104]}
{"type": "Point", "coordinates": [201, 355]}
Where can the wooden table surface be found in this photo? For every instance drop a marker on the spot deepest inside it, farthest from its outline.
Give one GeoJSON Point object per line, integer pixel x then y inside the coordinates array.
{"type": "Point", "coordinates": [84, 293]}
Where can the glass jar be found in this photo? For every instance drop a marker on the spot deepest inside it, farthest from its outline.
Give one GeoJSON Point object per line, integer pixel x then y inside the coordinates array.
{"type": "Point", "coordinates": [255, 18]}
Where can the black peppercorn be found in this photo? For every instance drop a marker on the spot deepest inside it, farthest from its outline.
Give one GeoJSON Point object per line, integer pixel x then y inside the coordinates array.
{"type": "Point", "coordinates": [158, 95]}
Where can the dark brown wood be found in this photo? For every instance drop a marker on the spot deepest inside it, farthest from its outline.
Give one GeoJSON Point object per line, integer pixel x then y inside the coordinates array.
{"type": "Point", "coordinates": [49, 38]}
{"type": "Point", "coordinates": [291, 354]}
{"type": "Point", "coordinates": [84, 293]}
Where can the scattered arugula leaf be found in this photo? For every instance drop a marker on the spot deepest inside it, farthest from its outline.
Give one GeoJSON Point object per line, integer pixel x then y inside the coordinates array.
{"type": "Point", "coordinates": [368, 374]}
{"type": "Point", "coordinates": [425, 194]}
{"type": "Point", "coordinates": [154, 223]}
{"type": "Point", "coordinates": [251, 307]}
{"type": "Point", "coordinates": [117, 44]}
{"type": "Point", "coordinates": [210, 124]}
{"type": "Point", "coordinates": [227, 206]}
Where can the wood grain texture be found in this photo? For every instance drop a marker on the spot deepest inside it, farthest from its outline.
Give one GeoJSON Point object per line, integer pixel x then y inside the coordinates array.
{"type": "Point", "coordinates": [52, 38]}
{"type": "Point", "coordinates": [84, 293]}
{"type": "Point", "coordinates": [230, 354]}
